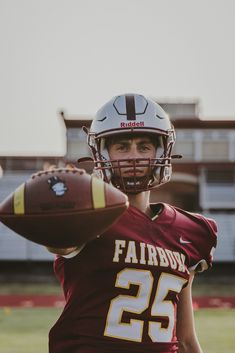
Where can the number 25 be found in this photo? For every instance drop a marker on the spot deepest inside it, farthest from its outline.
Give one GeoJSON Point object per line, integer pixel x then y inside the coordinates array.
{"type": "Point", "coordinates": [133, 331]}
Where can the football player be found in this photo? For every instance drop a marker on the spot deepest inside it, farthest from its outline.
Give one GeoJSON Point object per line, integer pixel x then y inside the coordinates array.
{"type": "Point", "coordinates": [129, 290]}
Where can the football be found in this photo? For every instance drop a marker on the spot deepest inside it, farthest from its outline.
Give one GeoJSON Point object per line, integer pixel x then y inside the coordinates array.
{"type": "Point", "coordinates": [62, 207]}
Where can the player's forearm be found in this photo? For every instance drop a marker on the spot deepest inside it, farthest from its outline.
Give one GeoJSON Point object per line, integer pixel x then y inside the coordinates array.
{"type": "Point", "coordinates": [191, 346]}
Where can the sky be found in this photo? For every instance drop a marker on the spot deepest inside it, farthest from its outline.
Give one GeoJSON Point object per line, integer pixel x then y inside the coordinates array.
{"type": "Point", "coordinates": [74, 55]}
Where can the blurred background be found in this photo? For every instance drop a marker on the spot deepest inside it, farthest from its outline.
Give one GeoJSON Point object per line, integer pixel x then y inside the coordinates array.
{"type": "Point", "coordinates": [62, 59]}
{"type": "Point", "coordinates": [202, 181]}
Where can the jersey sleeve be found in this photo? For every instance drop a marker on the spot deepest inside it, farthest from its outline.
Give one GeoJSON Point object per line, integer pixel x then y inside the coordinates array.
{"type": "Point", "coordinates": [201, 233]}
{"type": "Point", "coordinates": [205, 245]}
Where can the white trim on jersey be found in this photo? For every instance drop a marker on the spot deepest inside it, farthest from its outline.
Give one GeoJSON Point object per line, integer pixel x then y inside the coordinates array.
{"type": "Point", "coordinates": [200, 266]}
{"type": "Point", "coordinates": [74, 253]}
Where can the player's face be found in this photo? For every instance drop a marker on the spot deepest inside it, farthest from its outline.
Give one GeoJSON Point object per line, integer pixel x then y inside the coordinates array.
{"type": "Point", "coordinates": [130, 149]}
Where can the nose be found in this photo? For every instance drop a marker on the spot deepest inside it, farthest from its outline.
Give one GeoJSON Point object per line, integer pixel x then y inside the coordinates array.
{"type": "Point", "coordinates": [133, 152]}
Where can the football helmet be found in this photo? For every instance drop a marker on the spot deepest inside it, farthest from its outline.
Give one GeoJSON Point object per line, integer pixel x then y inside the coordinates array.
{"type": "Point", "coordinates": [132, 114]}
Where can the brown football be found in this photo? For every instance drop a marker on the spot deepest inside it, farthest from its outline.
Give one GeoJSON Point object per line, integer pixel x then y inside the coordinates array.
{"type": "Point", "coordinates": [63, 207]}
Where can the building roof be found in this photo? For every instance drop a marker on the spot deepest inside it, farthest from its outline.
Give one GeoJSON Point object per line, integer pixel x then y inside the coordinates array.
{"type": "Point", "coordinates": [179, 123]}
{"type": "Point", "coordinates": [203, 124]}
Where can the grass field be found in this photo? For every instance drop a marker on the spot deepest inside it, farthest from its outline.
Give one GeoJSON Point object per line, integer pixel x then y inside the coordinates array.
{"type": "Point", "coordinates": [26, 330]}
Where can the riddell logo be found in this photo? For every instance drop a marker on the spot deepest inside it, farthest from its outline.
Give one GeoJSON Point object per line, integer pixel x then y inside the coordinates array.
{"type": "Point", "coordinates": [132, 124]}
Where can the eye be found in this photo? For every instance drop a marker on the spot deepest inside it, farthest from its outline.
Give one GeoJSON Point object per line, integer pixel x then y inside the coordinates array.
{"type": "Point", "coordinates": [145, 147]}
{"type": "Point", "coordinates": [122, 147]}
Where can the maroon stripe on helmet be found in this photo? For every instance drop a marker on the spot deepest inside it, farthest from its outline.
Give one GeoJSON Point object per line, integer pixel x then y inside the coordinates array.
{"type": "Point", "coordinates": [130, 107]}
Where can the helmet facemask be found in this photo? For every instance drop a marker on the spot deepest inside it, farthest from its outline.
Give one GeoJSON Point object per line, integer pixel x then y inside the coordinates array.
{"type": "Point", "coordinates": [132, 114]}
{"type": "Point", "coordinates": [158, 169]}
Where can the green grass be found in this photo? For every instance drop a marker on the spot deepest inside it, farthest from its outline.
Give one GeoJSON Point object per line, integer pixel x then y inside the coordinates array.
{"type": "Point", "coordinates": [214, 289]}
{"type": "Point", "coordinates": [26, 330]}
{"type": "Point", "coordinates": [215, 329]}
{"type": "Point", "coordinates": [30, 288]}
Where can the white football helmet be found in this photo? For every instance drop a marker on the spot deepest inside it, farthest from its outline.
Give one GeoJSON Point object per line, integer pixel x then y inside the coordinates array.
{"type": "Point", "coordinates": [132, 114]}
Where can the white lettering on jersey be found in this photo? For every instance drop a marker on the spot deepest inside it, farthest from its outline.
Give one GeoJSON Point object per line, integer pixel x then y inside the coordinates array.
{"type": "Point", "coordinates": [131, 253]}
{"type": "Point", "coordinates": [119, 244]}
{"type": "Point", "coordinates": [143, 253]}
{"type": "Point", "coordinates": [163, 258]}
{"type": "Point", "coordinates": [152, 255]}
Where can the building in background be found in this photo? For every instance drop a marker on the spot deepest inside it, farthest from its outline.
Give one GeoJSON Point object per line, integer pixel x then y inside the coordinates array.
{"type": "Point", "coordinates": [203, 180]}
{"type": "Point", "coordinates": [15, 171]}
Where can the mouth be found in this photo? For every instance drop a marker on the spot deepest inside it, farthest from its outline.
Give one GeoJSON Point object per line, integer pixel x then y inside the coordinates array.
{"type": "Point", "coordinates": [133, 173]}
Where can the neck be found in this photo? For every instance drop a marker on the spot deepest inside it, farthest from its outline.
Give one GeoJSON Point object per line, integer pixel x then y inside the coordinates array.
{"type": "Point", "coordinates": [141, 201]}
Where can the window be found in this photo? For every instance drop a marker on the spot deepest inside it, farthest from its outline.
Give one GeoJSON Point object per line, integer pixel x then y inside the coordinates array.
{"type": "Point", "coordinates": [76, 133]}
{"type": "Point", "coordinates": [184, 144]}
{"type": "Point", "coordinates": [77, 149]}
{"type": "Point", "coordinates": [185, 148]}
{"type": "Point", "coordinates": [215, 150]}
{"type": "Point", "coordinates": [225, 177]}
{"type": "Point", "coordinates": [215, 145]}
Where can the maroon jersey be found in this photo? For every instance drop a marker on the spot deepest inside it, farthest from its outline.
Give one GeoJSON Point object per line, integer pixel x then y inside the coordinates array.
{"type": "Point", "coordinates": [122, 289]}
